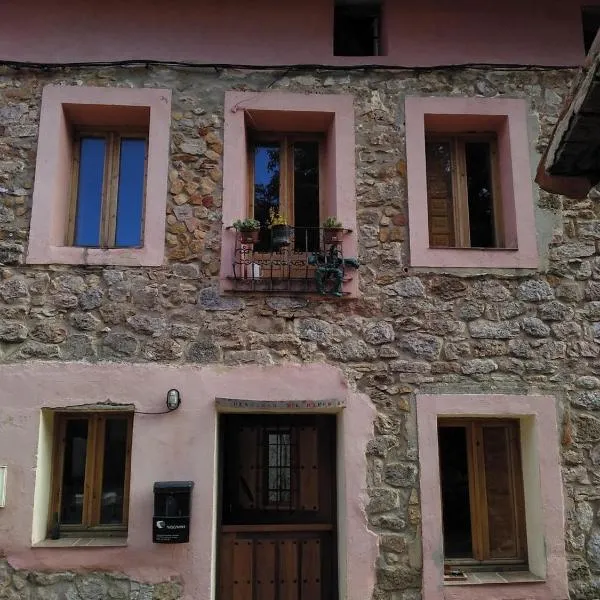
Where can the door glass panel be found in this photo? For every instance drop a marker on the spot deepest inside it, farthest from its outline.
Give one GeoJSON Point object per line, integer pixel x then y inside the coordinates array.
{"type": "Point", "coordinates": [113, 473]}
{"type": "Point", "coordinates": [267, 170]}
{"type": "Point", "coordinates": [73, 478]}
{"type": "Point", "coordinates": [500, 493]}
{"type": "Point", "coordinates": [306, 195]}
{"type": "Point", "coordinates": [454, 475]}
{"type": "Point", "coordinates": [480, 194]}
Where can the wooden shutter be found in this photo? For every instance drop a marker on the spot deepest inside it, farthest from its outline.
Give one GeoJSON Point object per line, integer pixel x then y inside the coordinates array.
{"type": "Point", "coordinates": [502, 490]}
{"type": "Point", "coordinates": [438, 155]}
{"type": "Point", "coordinates": [309, 468]}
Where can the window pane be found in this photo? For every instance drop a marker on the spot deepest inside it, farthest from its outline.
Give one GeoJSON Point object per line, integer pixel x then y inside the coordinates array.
{"type": "Point", "coordinates": [267, 168]}
{"type": "Point", "coordinates": [480, 194]}
{"type": "Point", "coordinates": [306, 195]}
{"type": "Point", "coordinates": [73, 477]}
{"type": "Point", "coordinates": [89, 191]}
{"type": "Point", "coordinates": [454, 476]}
{"type": "Point", "coordinates": [130, 197]}
{"type": "Point", "coordinates": [356, 30]}
{"type": "Point", "coordinates": [500, 493]}
{"type": "Point", "coordinates": [279, 468]}
{"type": "Point", "coordinates": [113, 475]}
{"type": "Point", "coordinates": [438, 157]}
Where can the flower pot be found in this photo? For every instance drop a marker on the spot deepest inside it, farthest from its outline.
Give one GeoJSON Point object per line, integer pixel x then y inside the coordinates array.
{"type": "Point", "coordinates": [333, 235]}
{"type": "Point", "coordinates": [249, 236]}
{"type": "Point", "coordinates": [280, 236]}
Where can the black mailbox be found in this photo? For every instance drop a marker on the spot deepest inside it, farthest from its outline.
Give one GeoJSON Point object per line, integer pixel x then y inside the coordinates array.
{"type": "Point", "coordinates": [172, 511]}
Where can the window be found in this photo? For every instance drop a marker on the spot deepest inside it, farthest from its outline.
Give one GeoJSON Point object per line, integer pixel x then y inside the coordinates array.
{"type": "Point", "coordinates": [90, 476]}
{"type": "Point", "coordinates": [292, 153]}
{"type": "Point", "coordinates": [463, 191]}
{"type": "Point", "coordinates": [482, 492]}
{"type": "Point", "coordinates": [470, 194]}
{"type": "Point", "coordinates": [590, 20]}
{"type": "Point", "coordinates": [356, 29]}
{"type": "Point", "coordinates": [285, 173]}
{"type": "Point", "coordinates": [491, 496]}
{"type": "Point", "coordinates": [101, 174]}
{"type": "Point", "coordinates": [108, 189]}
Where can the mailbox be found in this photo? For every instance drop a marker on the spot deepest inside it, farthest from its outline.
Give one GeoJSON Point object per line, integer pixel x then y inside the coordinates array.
{"type": "Point", "coordinates": [172, 512]}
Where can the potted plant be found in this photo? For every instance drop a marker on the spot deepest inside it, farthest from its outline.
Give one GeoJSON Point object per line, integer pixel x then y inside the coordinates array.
{"type": "Point", "coordinates": [333, 231]}
{"type": "Point", "coordinates": [248, 229]}
{"type": "Point", "coordinates": [280, 230]}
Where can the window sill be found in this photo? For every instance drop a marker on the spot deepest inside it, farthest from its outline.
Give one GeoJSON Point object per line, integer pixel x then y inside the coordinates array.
{"type": "Point", "coordinates": [89, 542]}
{"type": "Point", "coordinates": [45, 254]}
{"type": "Point", "coordinates": [493, 577]}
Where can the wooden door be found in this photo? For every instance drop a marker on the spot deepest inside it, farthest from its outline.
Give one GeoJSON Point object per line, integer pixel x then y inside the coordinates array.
{"type": "Point", "coordinates": [277, 532]}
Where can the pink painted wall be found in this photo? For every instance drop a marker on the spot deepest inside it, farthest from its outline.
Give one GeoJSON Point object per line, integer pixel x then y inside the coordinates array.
{"type": "Point", "coordinates": [179, 445]}
{"type": "Point", "coordinates": [424, 33]}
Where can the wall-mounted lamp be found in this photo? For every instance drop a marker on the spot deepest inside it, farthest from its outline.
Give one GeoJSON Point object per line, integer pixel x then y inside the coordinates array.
{"type": "Point", "coordinates": [173, 399]}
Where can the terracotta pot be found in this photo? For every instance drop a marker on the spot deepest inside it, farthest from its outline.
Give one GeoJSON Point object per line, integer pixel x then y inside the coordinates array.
{"type": "Point", "coordinates": [249, 236]}
{"type": "Point", "coordinates": [333, 235]}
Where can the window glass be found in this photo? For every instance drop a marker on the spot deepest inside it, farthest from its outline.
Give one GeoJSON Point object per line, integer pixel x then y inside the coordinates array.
{"type": "Point", "coordinates": [480, 194]}
{"type": "Point", "coordinates": [130, 196]}
{"type": "Point", "coordinates": [267, 169]}
{"type": "Point", "coordinates": [279, 467]}
{"type": "Point", "coordinates": [456, 507]}
{"type": "Point", "coordinates": [356, 29]}
{"type": "Point", "coordinates": [113, 477]}
{"type": "Point", "coordinates": [90, 183]}
{"type": "Point", "coordinates": [306, 195]}
{"type": "Point", "coordinates": [73, 477]}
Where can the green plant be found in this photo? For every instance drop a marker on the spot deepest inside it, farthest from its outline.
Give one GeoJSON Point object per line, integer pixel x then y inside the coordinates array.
{"type": "Point", "coordinates": [276, 218]}
{"type": "Point", "coordinates": [246, 224]}
{"type": "Point", "coordinates": [332, 223]}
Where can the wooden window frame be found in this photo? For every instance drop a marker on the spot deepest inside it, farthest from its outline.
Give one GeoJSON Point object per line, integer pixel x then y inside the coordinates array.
{"type": "Point", "coordinates": [460, 197]}
{"type": "Point", "coordinates": [93, 474]}
{"type": "Point", "coordinates": [110, 184]}
{"type": "Point", "coordinates": [286, 174]}
{"type": "Point", "coordinates": [477, 493]}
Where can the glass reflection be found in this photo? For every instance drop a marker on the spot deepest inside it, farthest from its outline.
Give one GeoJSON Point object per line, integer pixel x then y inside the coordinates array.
{"type": "Point", "coordinates": [267, 170]}
{"type": "Point", "coordinates": [113, 473]}
{"type": "Point", "coordinates": [73, 477]}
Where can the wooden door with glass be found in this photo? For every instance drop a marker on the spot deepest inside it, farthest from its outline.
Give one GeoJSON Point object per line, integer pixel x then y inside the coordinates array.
{"type": "Point", "coordinates": [277, 525]}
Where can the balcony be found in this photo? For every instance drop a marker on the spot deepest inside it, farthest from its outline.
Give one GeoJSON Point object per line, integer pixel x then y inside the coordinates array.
{"type": "Point", "coordinates": [300, 260]}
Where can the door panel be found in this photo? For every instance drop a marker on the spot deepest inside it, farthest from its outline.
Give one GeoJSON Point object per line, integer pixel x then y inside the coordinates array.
{"type": "Point", "coordinates": [277, 538]}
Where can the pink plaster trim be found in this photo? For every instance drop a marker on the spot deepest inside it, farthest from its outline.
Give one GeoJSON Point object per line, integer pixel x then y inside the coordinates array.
{"type": "Point", "coordinates": [332, 114]}
{"type": "Point", "coordinates": [63, 106]}
{"type": "Point", "coordinates": [543, 411]}
{"type": "Point", "coordinates": [506, 116]}
{"type": "Point", "coordinates": [178, 445]}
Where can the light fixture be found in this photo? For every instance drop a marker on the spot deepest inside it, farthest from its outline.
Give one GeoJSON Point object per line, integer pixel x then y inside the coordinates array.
{"type": "Point", "coordinates": [173, 399]}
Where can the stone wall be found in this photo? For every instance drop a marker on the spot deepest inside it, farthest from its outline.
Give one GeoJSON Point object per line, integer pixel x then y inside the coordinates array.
{"type": "Point", "coordinates": [511, 332]}
{"type": "Point", "coordinates": [38, 585]}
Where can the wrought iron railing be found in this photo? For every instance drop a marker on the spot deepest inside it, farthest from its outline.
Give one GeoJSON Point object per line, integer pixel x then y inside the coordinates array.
{"type": "Point", "coordinates": [292, 259]}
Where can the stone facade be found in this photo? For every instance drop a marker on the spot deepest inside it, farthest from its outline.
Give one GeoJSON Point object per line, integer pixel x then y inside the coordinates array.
{"type": "Point", "coordinates": [39, 585]}
{"type": "Point", "coordinates": [467, 331]}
